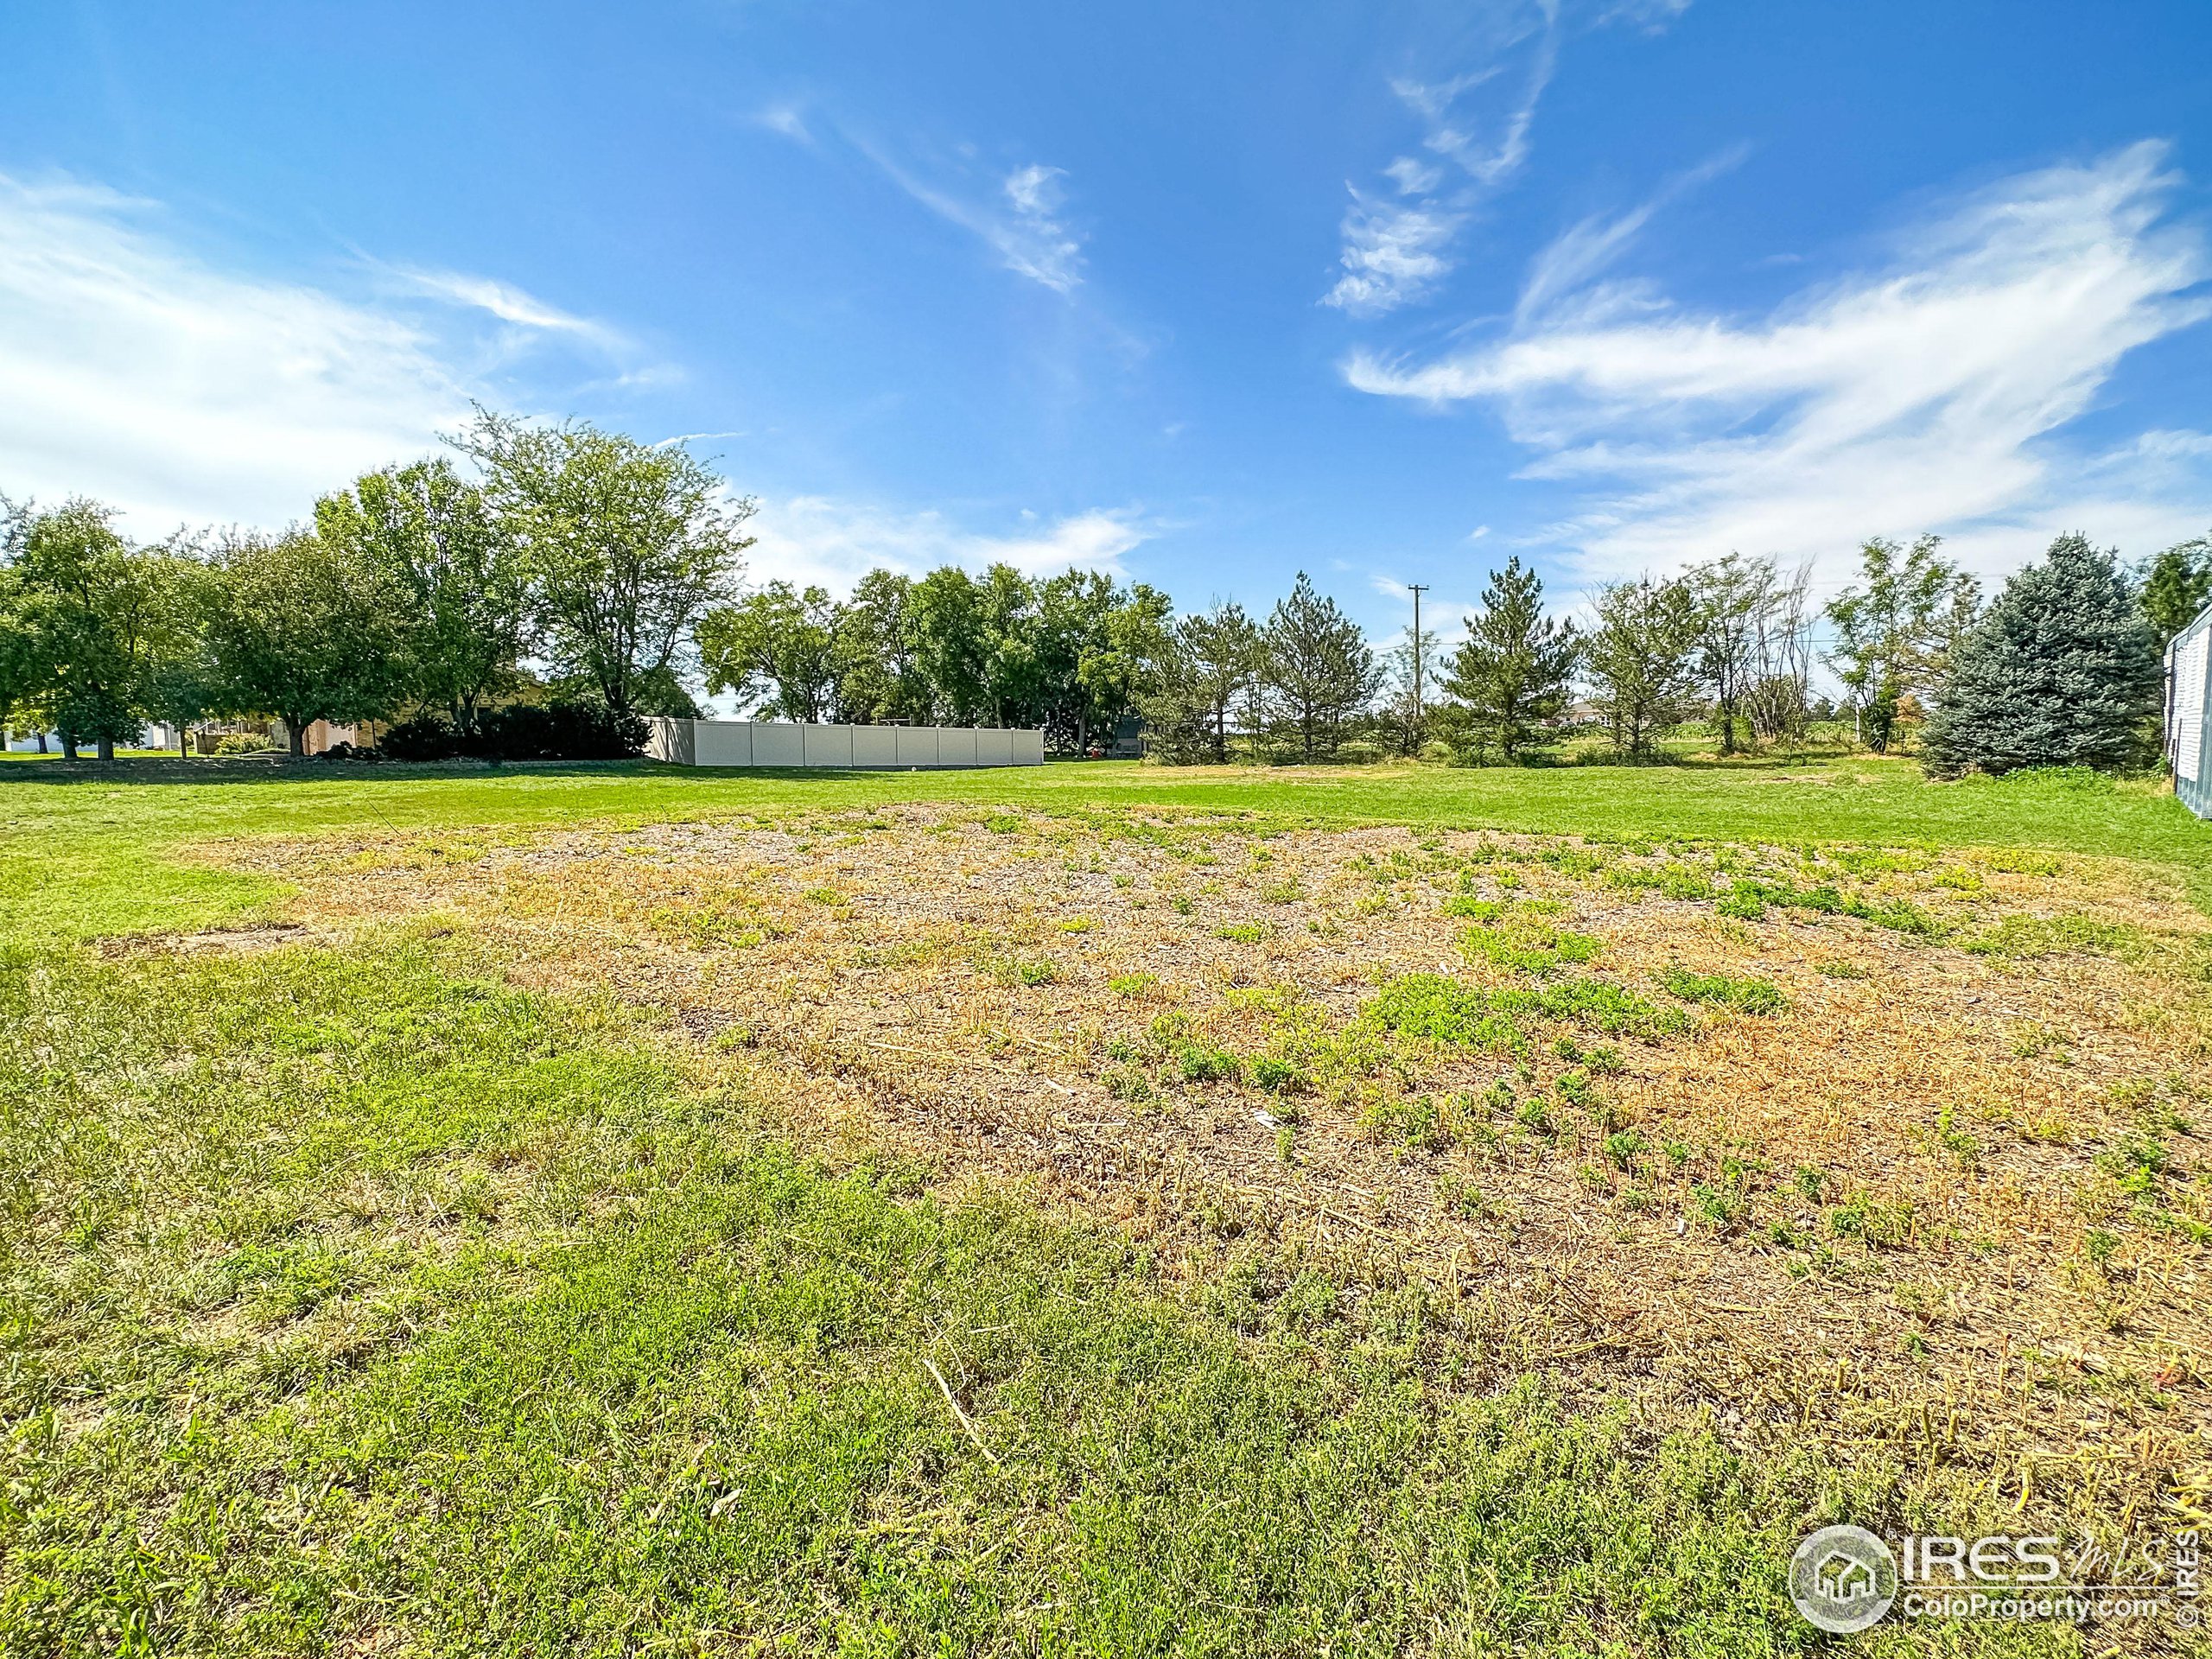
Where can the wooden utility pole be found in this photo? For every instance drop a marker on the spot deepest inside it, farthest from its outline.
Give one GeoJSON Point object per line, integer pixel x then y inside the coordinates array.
{"type": "Point", "coordinates": [1418, 590]}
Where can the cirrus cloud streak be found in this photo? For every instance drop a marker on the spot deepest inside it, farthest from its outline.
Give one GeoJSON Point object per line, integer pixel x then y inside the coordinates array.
{"type": "Point", "coordinates": [1929, 394]}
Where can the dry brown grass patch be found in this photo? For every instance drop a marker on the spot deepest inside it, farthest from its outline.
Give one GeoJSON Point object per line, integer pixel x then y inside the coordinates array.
{"type": "Point", "coordinates": [1939, 1202]}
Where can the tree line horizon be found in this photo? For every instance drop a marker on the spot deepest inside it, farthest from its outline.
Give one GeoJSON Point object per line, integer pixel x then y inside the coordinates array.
{"type": "Point", "coordinates": [582, 581]}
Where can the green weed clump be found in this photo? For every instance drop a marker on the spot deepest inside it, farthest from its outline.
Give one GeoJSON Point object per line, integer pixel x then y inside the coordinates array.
{"type": "Point", "coordinates": [2025, 938]}
{"type": "Point", "coordinates": [1412, 1121]}
{"type": "Point", "coordinates": [1746, 995]}
{"type": "Point", "coordinates": [1445, 1011]}
{"type": "Point", "coordinates": [1280, 1076]}
{"type": "Point", "coordinates": [1528, 946]}
{"type": "Point", "coordinates": [1200, 1062]}
{"type": "Point", "coordinates": [1011, 970]}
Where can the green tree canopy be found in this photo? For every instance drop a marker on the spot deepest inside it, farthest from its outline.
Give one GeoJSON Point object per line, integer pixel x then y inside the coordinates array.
{"type": "Point", "coordinates": [91, 616]}
{"type": "Point", "coordinates": [1222, 649]}
{"type": "Point", "coordinates": [305, 631]}
{"type": "Point", "coordinates": [1121, 658]}
{"type": "Point", "coordinates": [1895, 632]}
{"type": "Point", "coordinates": [625, 545]}
{"type": "Point", "coordinates": [2176, 585]}
{"type": "Point", "coordinates": [465, 580]}
{"type": "Point", "coordinates": [1738, 600]}
{"type": "Point", "coordinates": [1516, 669]}
{"type": "Point", "coordinates": [180, 683]}
{"type": "Point", "coordinates": [878, 679]}
{"type": "Point", "coordinates": [1642, 660]}
{"type": "Point", "coordinates": [2062, 670]}
{"type": "Point", "coordinates": [777, 650]}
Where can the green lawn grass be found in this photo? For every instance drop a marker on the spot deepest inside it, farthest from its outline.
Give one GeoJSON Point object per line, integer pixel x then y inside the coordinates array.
{"type": "Point", "coordinates": [358, 1293]}
{"type": "Point", "coordinates": [77, 851]}
{"type": "Point", "coordinates": [355, 1301]}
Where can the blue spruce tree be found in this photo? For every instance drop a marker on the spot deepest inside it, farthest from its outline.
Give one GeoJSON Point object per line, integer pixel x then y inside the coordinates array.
{"type": "Point", "coordinates": [2062, 671]}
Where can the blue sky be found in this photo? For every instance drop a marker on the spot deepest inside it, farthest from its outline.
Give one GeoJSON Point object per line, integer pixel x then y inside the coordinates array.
{"type": "Point", "coordinates": [1203, 294]}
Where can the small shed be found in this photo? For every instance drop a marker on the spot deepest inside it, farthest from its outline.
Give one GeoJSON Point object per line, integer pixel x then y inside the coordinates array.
{"type": "Point", "coordinates": [2188, 709]}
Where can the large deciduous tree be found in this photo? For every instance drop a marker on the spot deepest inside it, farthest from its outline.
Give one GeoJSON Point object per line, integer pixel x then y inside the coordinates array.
{"type": "Point", "coordinates": [305, 631]}
{"type": "Point", "coordinates": [2062, 670]}
{"type": "Point", "coordinates": [877, 676]}
{"type": "Point", "coordinates": [1107, 645]}
{"type": "Point", "coordinates": [1777, 702]}
{"type": "Point", "coordinates": [93, 616]}
{"type": "Point", "coordinates": [777, 650]}
{"type": "Point", "coordinates": [627, 546]}
{"type": "Point", "coordinates": [1516, 669]}
{"type": "Point", "coordinates": [465, 580]}
{"type": "Point", "coordinates": [1735, 598]}
{"type": "Point", "coordinates": [180, 683]}
{"type": "Point", "coordinates": [1319, 670]}
{"type": "Point", "coordinates": [1895, 631]}
{"type": "Point", "coordinates": [1641, 661]}
{"type": "Point", "coordinates": [949, 629]}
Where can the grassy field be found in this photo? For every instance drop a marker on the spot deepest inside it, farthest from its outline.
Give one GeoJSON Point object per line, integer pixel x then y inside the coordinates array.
{"type": "Point", "coordinates": [1103, 1208]}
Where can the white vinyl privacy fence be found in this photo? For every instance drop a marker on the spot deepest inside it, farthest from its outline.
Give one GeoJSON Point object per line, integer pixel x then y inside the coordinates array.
{"type": "Point", "coordinates": [2189, 709]}
{"type": "Point", "coordinates": [779, 743]}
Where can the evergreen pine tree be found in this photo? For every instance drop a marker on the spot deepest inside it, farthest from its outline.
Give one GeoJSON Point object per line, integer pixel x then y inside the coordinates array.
{"type": "Point", "coordinates": [1319, 670]}
{"type": "Point", "coordinates": [1514, 671]}
{"type": "Point", "coordinates": [2062, 671]}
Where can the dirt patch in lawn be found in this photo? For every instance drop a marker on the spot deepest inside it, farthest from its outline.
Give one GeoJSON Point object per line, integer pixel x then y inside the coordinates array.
{"type": "Point", "coordinates": [1897, 1148]}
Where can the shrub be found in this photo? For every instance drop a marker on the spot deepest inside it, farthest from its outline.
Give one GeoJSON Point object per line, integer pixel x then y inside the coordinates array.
{"type": "Point", "coordinates": [558, 731]}
{"type": "Point", "coordinates": [1411, 1121]}
{"type": "Point", "coordinates": [426, 737]}
{"type": "Point", "coordinates": [522, 731]}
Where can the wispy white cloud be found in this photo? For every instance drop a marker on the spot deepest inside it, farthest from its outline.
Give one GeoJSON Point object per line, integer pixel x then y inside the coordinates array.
{"type": "Point", "coordinates": [1477, 133]}
{"type": "Point", "coordinates": [787, 119]}
{"type": "Point", "coordinates": [137, 371]}
{"type": "Point", "coordinates": [696, 437]}
{"type": "Point", "coordinates": [1584, 248]}
{"type": "Point", "coordinates": [1492, 162]}
{"type": "Point", "coordinates": [1414, 177]}
{"type": "Point", "coordinates": [505, 301]}
{"type": "Point", "coordinates": [131, 371]}
{"type": "Point", "coordinates": [1394, 254]}
{"type": "Point", "coordinates": [811, 538]}
{"type": "Point", "coordinates": [1650, 15]}
{"type": "Point", "coordinates": [1927, 394]}
{"type": "Point", "coordinates": [1017, 215]}
{"type": "Point", "coordinates": [1397, 253]}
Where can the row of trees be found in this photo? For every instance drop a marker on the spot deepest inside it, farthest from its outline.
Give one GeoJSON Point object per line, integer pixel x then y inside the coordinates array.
{"type": "Point", "coordinates": [1070, 653]}
{"type": "Point", "coordinates": [1731, 637]}
{"type": "Point", "coordinates": [585, 569]}
{"type": "Point", "coordinates": [584, 552]}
